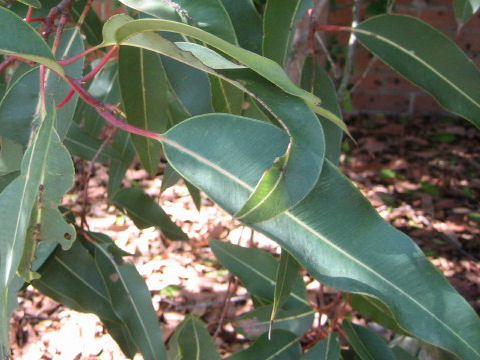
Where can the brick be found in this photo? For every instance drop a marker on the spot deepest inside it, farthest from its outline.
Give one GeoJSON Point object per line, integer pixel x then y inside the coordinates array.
{"type": "Point", "coordinates": [425, 104]}
{"type": "Point", "coordinates": [440, 19]}
{"type": "Point", "coordinates": [340, 17]}
{"type": "Point", "coordinates": [473, 23]}
{"type": "Point", "coordinates": [469, 42]}
{"type": "Point", "coordinates": [363, 58]}
{"type": "Point", "coordinates": [381, 102]}
{"type": "Point", "coordinates": [373, 81]}
{"type": "Point", "coordinates": [395, 82]}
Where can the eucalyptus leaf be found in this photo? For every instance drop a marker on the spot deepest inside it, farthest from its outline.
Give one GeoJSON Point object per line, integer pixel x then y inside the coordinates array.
{"type": "Point", "coordinates": [314, 231]}
{"type": "Point", "coordinates": [465, 9]}
{"type": "Point", "coordinates": [27, 43]}
{"type": "Point", "coordinates": [327, 349]}
{"type": "Point", "coordinates": [191, 340]}
{"type": "Point", "coordinates": [283, 346]}
{"type": "Point", "coordinates": [426, 57]}
{"type": "Point", "coordinates": [146, 213]}
{"type": "Point", "coordinates": [367, 344]}
{"type": "Point", "coordinates": [132, 303]}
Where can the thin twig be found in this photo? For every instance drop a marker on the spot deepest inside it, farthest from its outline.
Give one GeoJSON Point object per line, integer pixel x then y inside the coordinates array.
{"type": "Point", "coordinates": [347, 71]}
{"type": "Point", "coordinates": [84, 13]}
{"type": "Point", "coordinates": [233, 284]}
{"type": "Point", "coordinates": [364, 74]}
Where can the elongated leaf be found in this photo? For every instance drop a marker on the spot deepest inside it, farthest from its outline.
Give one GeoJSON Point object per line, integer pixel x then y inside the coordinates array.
{"type": "Point", "coordinates": [256, 322]}
{"type": "Point", "coordinates": [317, 81]}
{"type": "Point", "coordinates": [191, 340]}
{"type": "Point", "coordinates": [287, 274]}
{"type": "Point", "coordinates": [71, 278]}
{"type": "Point", "coordinates": [146, 213]}
{"type": "Point", "coordinates": [225, 97]}
{"type": "Point", "coordinates": [367, 344]}
{"type": "Point", "coordinates": [170, 178]}
{"type": "Point", "coordinates": [34, 3]}
{"type": "Point", "coordinates": [11, 154]}
{"type": "Point", "coordinates": [427, 58]}
{"type": "Point", "coordinates": [18, 107]}
{"type": "Point", "coordinates": [209, 15]}
{"type": "Point", "coordinates": [27, 43]}
{"type": "Point", "coordinates": [401, 354]}
{"type": "Point", "coordinates": [7, 179]}
{"type": "Point", "coordinates": [465, 9]}
{"type": "Point", "coordinates": [257, 270]}
{"type": "Point", "coordinates": [16, 203]}
{"type": "Point", "coordinates": [328, 349]}
{"type": "Point", "coordinates": [279, 27]}
{"type": "Point", "coordinates": [71, 43]}
{"type": "Point", "coordinates": [91, 26]}
{"type": "Point", "coordinates": [194, 194]}
{"type": "Point", "coordinates": [325, 233]}
{"type": "Point", "coordinates": [283, 346]}
{"type": "Point", "coordinates": [375, 310]}
{"type": "Point", "coordinates": [131, 302]}
{"type": "Point", "coordinates": [81, 144]}
{"type": "Point", "coordinates": [247, 23]}
{"type": "Point", "coordinates": [117, 170]}
{"type": "Point", "coordinates": [190, 85]}
{"type": "Point", "coordinates": [265, 67]}
{"type": "Point", "coordinates": [145, 98]}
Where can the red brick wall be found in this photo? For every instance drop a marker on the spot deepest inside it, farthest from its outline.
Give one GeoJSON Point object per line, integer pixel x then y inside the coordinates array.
{"type": "Point", "coordinates": [385, 91]}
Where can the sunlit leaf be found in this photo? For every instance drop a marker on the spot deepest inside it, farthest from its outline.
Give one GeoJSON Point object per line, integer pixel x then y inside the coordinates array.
{"type": "Point", "coordinates": [328, 349]}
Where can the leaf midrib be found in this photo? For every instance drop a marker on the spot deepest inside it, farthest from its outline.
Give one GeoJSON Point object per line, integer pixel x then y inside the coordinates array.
{"type": "Point", "coordinates": [325, 240]}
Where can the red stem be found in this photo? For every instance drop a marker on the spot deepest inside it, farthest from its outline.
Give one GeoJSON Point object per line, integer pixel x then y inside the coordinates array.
{"type": "Point", "coordinates": [29, 14]}
{"type": "Point", "coordinates": [35, 20]}
{"type": "Point", "coordinates": [99, 66]}
{"type": "Point", "coordinates": [66, 99]}
{"type": "Point", "coordinates": [333, 28]}
{"type": "Point", "coordinates": [6, 63]}
{"type": "Point", "coordinates": [68, 61]}
{"type": "Point", "coordinates": [108, 116]}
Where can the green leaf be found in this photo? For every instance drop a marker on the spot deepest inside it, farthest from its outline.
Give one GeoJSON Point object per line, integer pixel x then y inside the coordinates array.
{"type": "Point", "coordinates": [360, 254]}
{"type": "Point", "coordinates": [401, 354]}
{"type": "Point", "coordinates": [287, 275]}
{"type": "Point", "coordinates": [328, 349]}
{"type": "Point", "coordinates": [146, 213]}
{"type": "Point", "coordinates": [209, 15]}
{"type": "Point", "coordinates": [7, 179]}
{"type": "Point", "coordinates": [375, 310]}
{"type": "Point", "coordinates": [247, 23]}
{"type": "Point", "coordinates": [11, 154]}
{"type": "Point", "coordinates": [257, 270]}
{"type": "Point", "coordinates": [191, 340]}
{"type": "Point", "coordinates": [316, 80]}
{"type": "Point", "coordinates": [18, 107]}
{"type": "Point", "coordinates": [17, 201]}
{"type": "Point", "coordinates": [105, 88]}
{"type": "Point", "coordinates": [27, 43]}
{"type": "Point", "coordinates": [145, 98]}
{"type": "Point", "coordinates": [72, 278]}
{"type": "Point", "coordinates": [131, 302]}
{"type": "Point", "coordinates": [293, 175]}
{"type": "Point", "coordinates": [170, 177]}
{"type": "Point", "coordinates": [465, 9]}
{"type": "Point", "coordinates": [33, 3]}
{"type": "Point", "coordinates": [283, 346]}
{"type": "Point", "coordinates": [194, 194]}
{"type": "Point", "coordinates": [367, 344]}
{"type": "Point", "coordinates": [81, 144]}
{"type": "Point", "coordinates": [190, 86]}
{"type": "Point", "coordinates": [426, 57]}
{"type": "Point", "coordinates": [91, 26]}
{"type": "Point", "coordinates": [256, 322]}
{"type": "Point", "coordinates": [117, 170]}
{"type": "Point", "coordinates": [226, 97]}
{"type": "Point", "coordinates": [265, 67]}
{"type": "Point", "coordinates": [71, 43]}
{"type": "Point", "coordinates": [279, 27]}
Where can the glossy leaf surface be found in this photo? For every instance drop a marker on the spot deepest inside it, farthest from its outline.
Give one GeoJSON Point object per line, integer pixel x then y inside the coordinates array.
{"type": "Point", "coordinates": [279, 27]}
{"type": "Point", "coordinates": [367, 344]}
{"type": "Point", "coordinates": [132, 303]}
{"type": "Point", "coordinates": [328, 349]}
{"type": "Point", "coordinates": [283, 346]}
{"type": "Point", "coordinates": [257, 322]}
{"type": "Point", "coordinates": [27, 43]}
{"type": "Point", "coordinates": [142, 84]}
{"type": "Point", "coordinates": [191, 340]}
{"type": "Point", "coordinates": [257, 270]}
{"type": "Point", "coordinates": [146, 213]}
{"type": "Point", "coordinates": [419, 296]}
{"type": "Point", "coordinates": [427, 58]}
